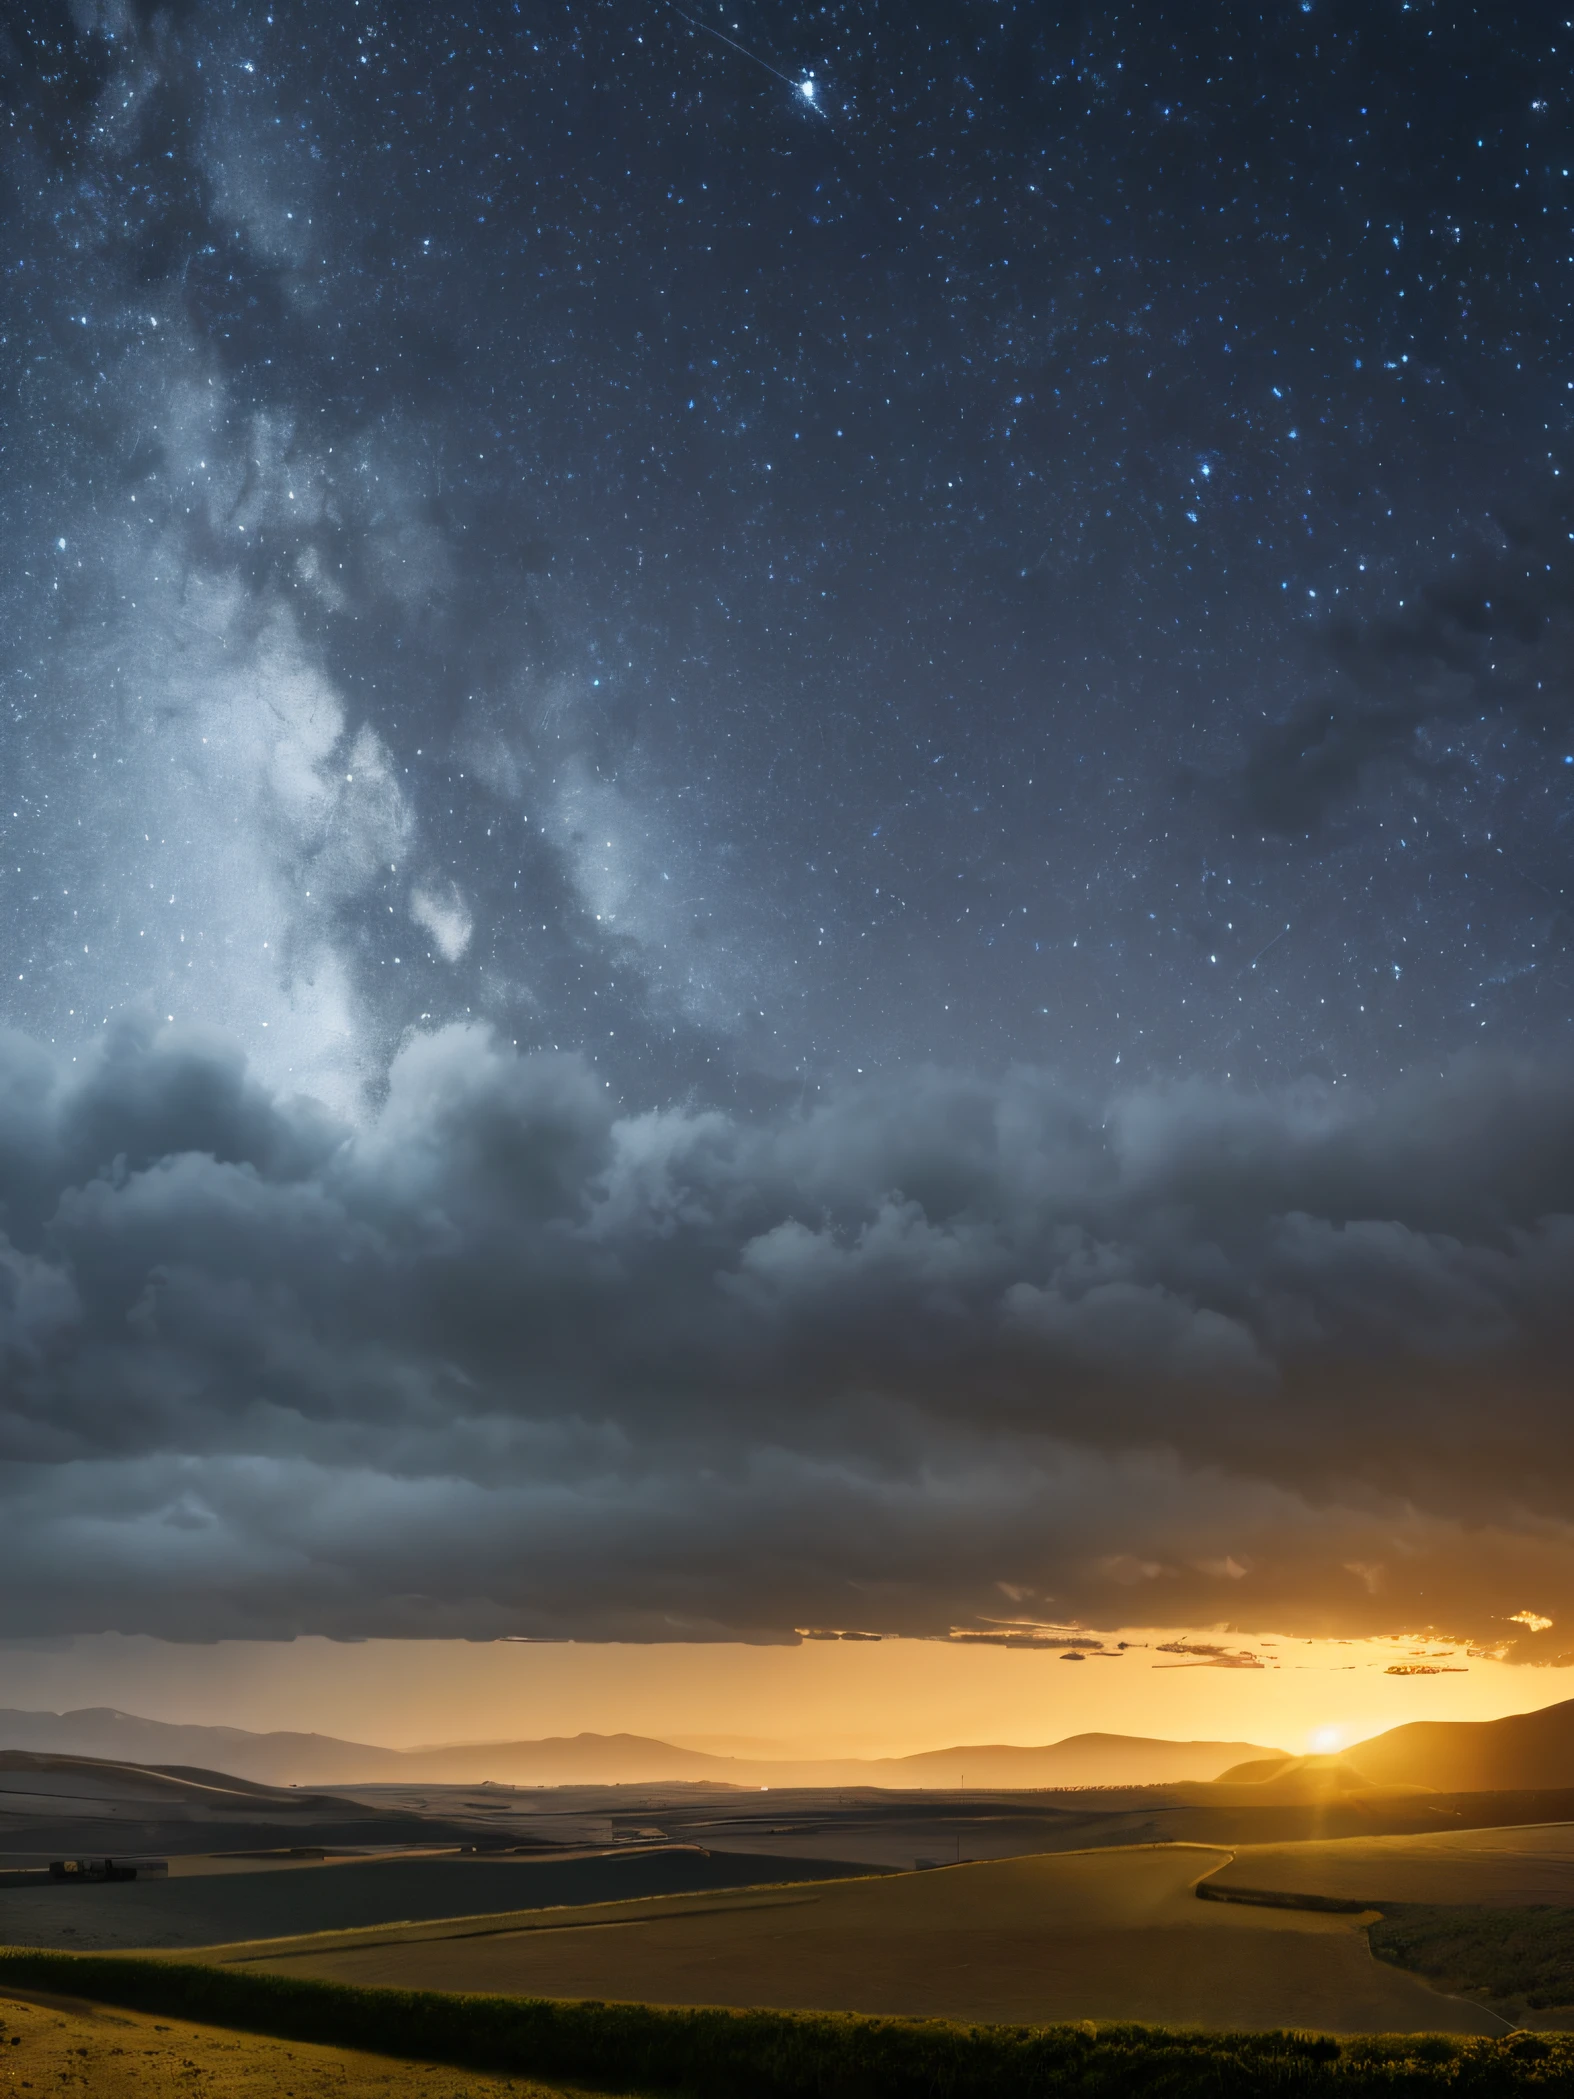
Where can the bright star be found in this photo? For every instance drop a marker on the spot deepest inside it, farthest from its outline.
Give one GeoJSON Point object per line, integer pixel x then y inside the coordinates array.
{"type": "Point", "coordinates": [806, 88]}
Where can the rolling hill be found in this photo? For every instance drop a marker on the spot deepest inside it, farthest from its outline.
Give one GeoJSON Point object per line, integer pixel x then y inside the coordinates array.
{"type": "Point", "coordinates": [1521, 1753]}
{"type": "Point", "coordinates": [271, 1759]}
{"type": "Point", "coordinates": [1281, 1781]}
{"type": "Point", "coordinates": [1080, 1760]}
{"type": "Point", "coordinates": [65, 1805]}
{"type": "Point", "coordinates": [620, 1759]}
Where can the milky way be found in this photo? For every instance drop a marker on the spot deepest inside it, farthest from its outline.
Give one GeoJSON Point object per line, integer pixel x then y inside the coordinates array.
{"type": "Point", "coordinates": [832, 567]}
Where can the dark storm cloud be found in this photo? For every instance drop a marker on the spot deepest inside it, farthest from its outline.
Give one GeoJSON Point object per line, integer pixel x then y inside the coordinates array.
{"type": "Point", "coordinates": [937, 1354]}
{"type": "Point", "coordinates": [1489, 640]}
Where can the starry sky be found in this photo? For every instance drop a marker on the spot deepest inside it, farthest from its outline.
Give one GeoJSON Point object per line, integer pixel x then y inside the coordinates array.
{"type": "Point", "coordinates": [786, 800]}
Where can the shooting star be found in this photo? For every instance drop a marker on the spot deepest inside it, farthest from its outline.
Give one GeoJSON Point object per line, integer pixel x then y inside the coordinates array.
{"type": "Point", "coordinates": [1263, 950]}
{"type": "Point", "coordinates": [806, 89]}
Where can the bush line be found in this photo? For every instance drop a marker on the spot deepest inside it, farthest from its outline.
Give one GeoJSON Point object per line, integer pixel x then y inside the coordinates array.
{"type": "Point", "coordinates": [718, 2054]}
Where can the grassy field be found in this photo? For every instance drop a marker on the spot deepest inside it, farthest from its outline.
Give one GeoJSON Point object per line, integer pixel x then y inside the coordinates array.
{"type": "Point", "coordinates": [104, 2053]}
{"type": "Point", "coordinates": [1491, 1867]}
{"type": "Point", "coordinates": [1520, 1961]}
{"type": "Point", "coordinates": [426, 2037]}
{"type": "Point", "coordinates": [1105, 1935]}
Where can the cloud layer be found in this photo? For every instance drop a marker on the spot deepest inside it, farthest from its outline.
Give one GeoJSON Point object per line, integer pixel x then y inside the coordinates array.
{"type": "Point", "coordinates": [938, 1354]}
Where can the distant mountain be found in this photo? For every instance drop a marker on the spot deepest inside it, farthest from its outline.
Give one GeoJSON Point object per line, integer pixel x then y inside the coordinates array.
{"type": "Point", "coordinates": [273, 1759]}
{"type": "Point", "coordinates": [301, 1759]}
{"type": "Point", "coordinates": [588, 1759]}
{"type": "Point", "coordinates": [1524, 1752]}
{"type": "Point", "coordinates": [1080, 1760]}
{"type": "Point", "coordinates": [565, 1760]}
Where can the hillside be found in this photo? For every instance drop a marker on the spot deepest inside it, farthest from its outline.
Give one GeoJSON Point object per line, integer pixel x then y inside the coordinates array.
{"type": "Point", "coordinates": [620, 1759]}
{"type": "Point", "coordinates": [1523, 1752]}
{"type": "Point", "coordinates": [54, 1804]}
{"type": "Point", "coordinates": [1080, 1760]}
{"type": "Point", "coordinates": [1283, 1781]}
{"type": "Point", "coordinates": [125, 2054]}
{"type": "Point", "coordinates": [187, 1790]}
{"type": "Point", "coordinates": [271, 1759]}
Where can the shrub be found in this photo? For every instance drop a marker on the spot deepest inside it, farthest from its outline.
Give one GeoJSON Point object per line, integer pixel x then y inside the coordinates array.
{"type": "Point", "coordinates": [716, 2054]}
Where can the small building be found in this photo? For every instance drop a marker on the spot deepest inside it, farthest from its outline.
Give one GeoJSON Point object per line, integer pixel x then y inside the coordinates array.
{"type": "Point", "coordinates": [108, 1868]}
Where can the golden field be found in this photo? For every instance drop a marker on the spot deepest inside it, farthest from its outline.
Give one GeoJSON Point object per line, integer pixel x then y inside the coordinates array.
{"type": "Point", "coordinates": [1531, 1863]}
{"type": "Point", "coordinates": [1108, 1935]}
{"type": "Point", "coordinates": [67, 2047]}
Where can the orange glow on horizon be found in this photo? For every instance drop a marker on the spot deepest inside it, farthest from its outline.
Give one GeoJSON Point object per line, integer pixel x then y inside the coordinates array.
{"type": "Point", "coordinates": [824, 1698]}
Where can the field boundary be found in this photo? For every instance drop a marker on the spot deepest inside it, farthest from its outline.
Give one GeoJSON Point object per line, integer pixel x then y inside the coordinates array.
{"type": "Point", "coordinates": [718, 2054]}
{"type": "Point", "coordinates": [487, 1924]}
{"type": "Point", "coordinates": [1281, 1899]}
{"type": "Point", "coordinates": [453, 1928]}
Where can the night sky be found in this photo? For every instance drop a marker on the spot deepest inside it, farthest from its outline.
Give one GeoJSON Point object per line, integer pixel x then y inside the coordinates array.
{"type": "Point", "coordinates": [786, 809]}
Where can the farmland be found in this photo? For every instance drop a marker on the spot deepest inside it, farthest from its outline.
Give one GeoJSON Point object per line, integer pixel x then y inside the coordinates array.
{"type": "Point", "coordinates": [1106, 1935]}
